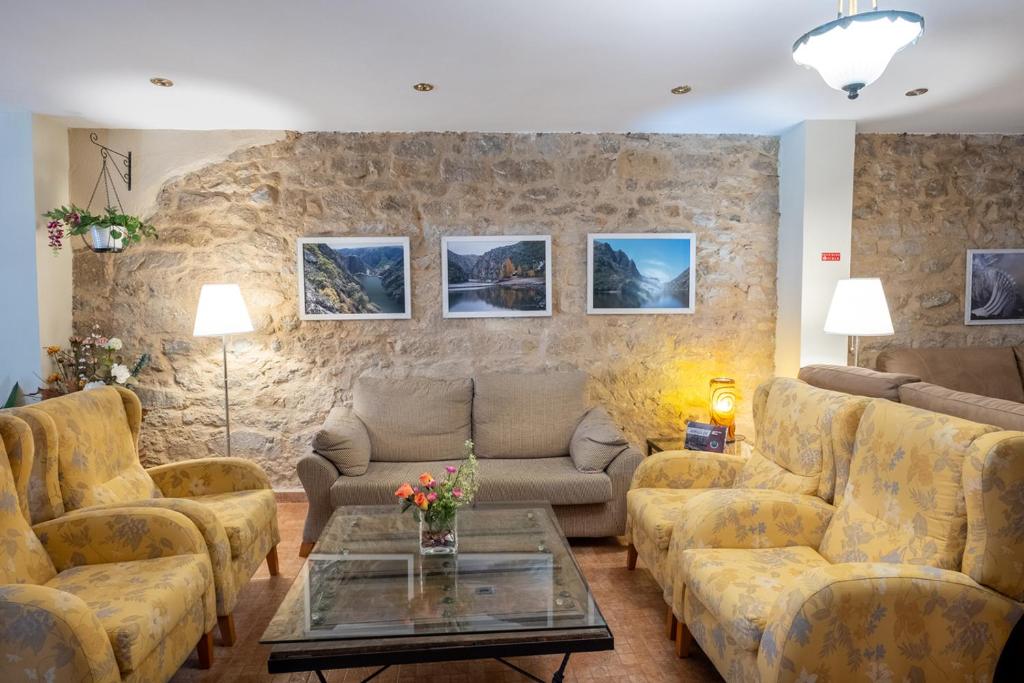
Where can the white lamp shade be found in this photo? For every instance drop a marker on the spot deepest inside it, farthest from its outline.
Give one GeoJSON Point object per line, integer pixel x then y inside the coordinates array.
{"type": "Point", "coordinates": [221, 310]}
{"type": "Point", "coordinates": [859, 309]}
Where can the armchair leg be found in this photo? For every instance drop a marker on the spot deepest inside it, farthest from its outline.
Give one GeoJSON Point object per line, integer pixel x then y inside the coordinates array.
{"type": "Point", "coordinates": [227, 629]}
{"type": "Point", "coordinates": [631, 557]}
{"type": "Point", "coordinates": [683, 640]}
{"type": "Point", "coordinates": [671, 623]}
{"type": "Point", "coordinates": [272, 562]}
{"type": "Point", "coordinates": [204, 648]}
{"type": "Point", "coordinates": [305, 549]}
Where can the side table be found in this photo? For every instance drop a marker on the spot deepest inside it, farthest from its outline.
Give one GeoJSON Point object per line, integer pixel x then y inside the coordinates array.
{"type": "Point", "coordinates": [656, 444]}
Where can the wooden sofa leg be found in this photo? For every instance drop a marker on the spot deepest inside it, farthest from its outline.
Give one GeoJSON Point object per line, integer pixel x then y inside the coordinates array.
{"type": "Point", "coordinates": [305, 549]}
{"type": "Point", "coordinates": [683, 640]}
{"type": "Point", "coordinates": [671, 623]}
{"type": "Point", "coordinates": [205, 650]}
{"type": "Point", "coordinates": [227, 629]}
{"type": "Point", "coordinates": [631, 557]}
{"type": "Point", "coordinates": [272, 562]}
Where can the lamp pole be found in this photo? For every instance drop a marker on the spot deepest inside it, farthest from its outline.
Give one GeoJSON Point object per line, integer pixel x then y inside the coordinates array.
{"type": "Point", "coordinates": [227, 409]}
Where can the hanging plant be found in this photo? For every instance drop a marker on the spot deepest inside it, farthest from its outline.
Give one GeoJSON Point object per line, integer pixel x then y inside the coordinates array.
{"type": "Point", "coordinates": [110, 231]}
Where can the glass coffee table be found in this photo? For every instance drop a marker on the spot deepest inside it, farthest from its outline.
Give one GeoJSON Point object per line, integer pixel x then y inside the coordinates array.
{"type": "Point", "coordinates": [366, 597]}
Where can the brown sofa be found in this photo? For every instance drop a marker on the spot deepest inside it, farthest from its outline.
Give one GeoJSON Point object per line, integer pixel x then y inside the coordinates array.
{"type": "Point", "coordinates": [997, 371]}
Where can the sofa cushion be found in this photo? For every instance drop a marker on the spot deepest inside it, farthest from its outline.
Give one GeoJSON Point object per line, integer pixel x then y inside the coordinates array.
{"type": "Point", "coordinates": [527, 415]}
{"type": "Point", "coordinates": [596, 442]}
{"type": "Point", "coordinates": [245, 515]}
{"type": "Point", "coordinates": [857, 381]}
{"type": "Point", "coordinates": [555, 480]}
{"type": "Point", "coordinates": [973, 407]}
{"type": "Point", "coordinates": [344, 441]}
{"type": "Point", "coordinates": [415, 419]}
{"type": "Point", "coordinates": [977, 370]}
{"type": "Point", "coordinates": [655, 511]}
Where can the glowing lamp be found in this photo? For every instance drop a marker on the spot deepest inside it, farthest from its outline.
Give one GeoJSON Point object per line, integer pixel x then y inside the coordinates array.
{"type": "Point", "coordinates": [723, 404]}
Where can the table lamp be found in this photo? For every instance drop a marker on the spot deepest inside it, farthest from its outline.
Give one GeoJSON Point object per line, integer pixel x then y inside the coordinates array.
{"type": "Point", "coordinates": [859, 310]}
{"type": "Point", "coordinates": [722, 404]}
{"type": "Point", "coordinates": [222, 311]}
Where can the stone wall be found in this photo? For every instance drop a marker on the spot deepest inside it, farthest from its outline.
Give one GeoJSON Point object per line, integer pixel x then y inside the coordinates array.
{"type": "Point", "coordinates": [238, 219]}
{"type": "Point", "coordinates": [920, 202]}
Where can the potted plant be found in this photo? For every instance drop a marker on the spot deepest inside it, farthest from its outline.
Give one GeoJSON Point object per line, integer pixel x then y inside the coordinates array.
{"type": "Point", "coordinates": [111, 231]}
{"type": "Point", "coordinates": [435, 503]}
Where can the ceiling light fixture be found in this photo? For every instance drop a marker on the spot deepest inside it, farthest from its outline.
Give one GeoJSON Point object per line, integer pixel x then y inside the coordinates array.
{"type": "Point", "coordinates": [161, 82]}
{"type": "Point", "coordinates": [681, 89]}
{"type": "Point", "coordinates": [916, 92]}
{"type": "Point", "coordinates": [423, 87]}
{"type": "Point", "coordinates": [853, 51]}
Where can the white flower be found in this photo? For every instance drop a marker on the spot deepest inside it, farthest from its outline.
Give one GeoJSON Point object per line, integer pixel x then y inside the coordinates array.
{"type": "Point", "coordinates": [114, 344]}
{"type": "Point", "coordinates": [94, 385]}
{"type": "Point", "coordinates": [121, 373]}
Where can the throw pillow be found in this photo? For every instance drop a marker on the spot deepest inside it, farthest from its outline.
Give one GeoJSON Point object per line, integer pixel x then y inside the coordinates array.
{"type": "Point", "coordinates": [343, 440]}
{"type": "Point", "coordinates": [596, 442]}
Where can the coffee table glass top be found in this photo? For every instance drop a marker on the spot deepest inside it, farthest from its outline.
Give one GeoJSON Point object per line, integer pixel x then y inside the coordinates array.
{"type": "Point", "coordinates": [365, 578]}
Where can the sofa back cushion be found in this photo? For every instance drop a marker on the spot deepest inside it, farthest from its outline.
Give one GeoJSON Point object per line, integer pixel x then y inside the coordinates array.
{"type": "Point", "coordinates": [974, 407]}
{"type": "Point", "coordinates": [527, 415]}
{"type": "Point", "coordinates": [994, 493]}
{"type": "Point", "coordinates": [857, 381]}
{"type": "Point", "coordinates": [415, 419]}
{"type": "Point", "coordinates": [977, 370]}
{"type": "Point", "coordinates": [804, 438]}
{"type": "Point", "coordinates": [904, 501]}
{"type": "Point", "coordinates": [98, 461]}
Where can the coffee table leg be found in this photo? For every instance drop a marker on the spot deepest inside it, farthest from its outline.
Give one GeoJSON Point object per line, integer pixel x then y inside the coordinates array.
{"type": "Point", "coordinates": [559, 675]}
{"type": "Point", "coordinates": [378, 672]}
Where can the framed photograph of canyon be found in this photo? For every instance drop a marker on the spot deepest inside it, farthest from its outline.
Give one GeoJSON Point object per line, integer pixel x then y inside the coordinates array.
{"type": "Point", "coordinates": [496, 276]}
{"type": "Point", "coordinates": [354, 278]}
{"type": "Point", "coordinates": [994, 295]}
{"type": "Point", "coordinates": [641, 273]}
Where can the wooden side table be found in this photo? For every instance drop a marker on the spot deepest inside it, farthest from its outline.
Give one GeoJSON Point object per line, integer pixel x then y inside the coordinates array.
{"type": "Point", "coordinates": [657, 444]}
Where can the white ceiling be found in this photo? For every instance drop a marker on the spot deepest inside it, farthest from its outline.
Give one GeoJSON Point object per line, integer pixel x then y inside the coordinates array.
{"type": "Point", "coordinates": [499, 65]}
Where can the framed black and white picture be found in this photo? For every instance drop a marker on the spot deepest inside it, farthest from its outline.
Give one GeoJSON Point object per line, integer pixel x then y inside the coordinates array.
{"type": "Point", "coordinates": [354, 278]}
{"type": "Point", "coordinates": [496, 276]}
{"type": "Point", "coordinates": [641, 273]}
{"type": "Point", "coordinates": [994, 295]}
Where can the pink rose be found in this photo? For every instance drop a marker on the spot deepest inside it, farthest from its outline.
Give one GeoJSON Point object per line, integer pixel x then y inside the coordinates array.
{"type": "Point", "coordinates": [457, 492]}
{"type": "Point", "coordinates": [449, 469]}
{"type": "Point", "coordinates": [431, 496]}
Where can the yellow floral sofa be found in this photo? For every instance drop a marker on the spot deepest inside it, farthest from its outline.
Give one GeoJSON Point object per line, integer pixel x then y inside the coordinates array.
{"type": "Point", "coordinates": [803, 446]}
{"type": "Point", "coordinates": [105, 595]}
{"type": "Point", "coordinates": [919, 574]}
{"type": "Point", "coordinates": [86, 445]}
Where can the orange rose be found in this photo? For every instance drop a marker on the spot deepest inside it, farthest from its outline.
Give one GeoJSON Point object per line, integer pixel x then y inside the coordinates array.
{"type": "Point", "coordinates": [404, 491]}
{"type": "Point", "coordinates": [426, 479]}
{"type": "Point", "coordinates": [421, 501]}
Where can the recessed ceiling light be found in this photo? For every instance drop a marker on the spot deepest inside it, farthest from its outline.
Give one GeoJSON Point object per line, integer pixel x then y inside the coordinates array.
{"type": "Point", "coordinates": [162, 82]}
{"type": "Point", "coordinates": [423, 87]}
{"type": "Point", "coordinates": [916, 92]}
{"type": "Point", "coordinates": [681, 89]}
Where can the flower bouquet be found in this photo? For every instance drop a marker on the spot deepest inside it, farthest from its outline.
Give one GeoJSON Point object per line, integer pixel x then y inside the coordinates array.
{"type": "Point", "coordinates": [435, 503]}
{"type": "Point", "coordinates": [90, 361]}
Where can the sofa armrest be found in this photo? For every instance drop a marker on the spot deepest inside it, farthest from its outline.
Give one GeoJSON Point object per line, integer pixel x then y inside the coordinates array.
{"type": "Point", "coordinates": [344, 440]}
{"type": "Point", "coordinates": [917, 623]}
{"type": "Point", "coordinates": [687, 470]}
{"type": "Point", "coordinates": [47, 634]}
{"type": "Point", "coordinates": [317, 475]}
{"type": "Point", "coordinates": [118, 535]}
{"type": "Point", "coordinates": [204, 476]}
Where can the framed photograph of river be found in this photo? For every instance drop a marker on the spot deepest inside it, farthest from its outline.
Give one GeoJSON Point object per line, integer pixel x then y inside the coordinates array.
{"type": "Point", "coordinates": [639, 273]}
{"type": "Point", "coordinates": [496, 276]}
{"type": "Point", "coordinates": [354, 278]}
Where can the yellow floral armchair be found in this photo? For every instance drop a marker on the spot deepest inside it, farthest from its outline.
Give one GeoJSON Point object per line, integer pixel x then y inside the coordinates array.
{"type": "Point", "coordinates": [803, 445]}
{"type": "Point", "coordinates": [106, 595]}
{"type": "Point", "coordinates": [87, 451]}
{"type": "Point", "coordinates": [918, 575]}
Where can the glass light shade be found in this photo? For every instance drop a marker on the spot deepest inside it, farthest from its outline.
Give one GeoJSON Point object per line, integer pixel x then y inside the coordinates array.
{"type": "Point", "coordinates": [853, 51]}
{"type": "Point", "coordinates": [859, 309]}
{"type": "Point", "coordinates": [221, 310]}
{"type": "Point", "coordinates": [722, 402]}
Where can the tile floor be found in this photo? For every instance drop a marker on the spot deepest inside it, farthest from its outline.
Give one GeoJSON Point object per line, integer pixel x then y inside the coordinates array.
{"type": "Point", "coordinates": [630, 601]}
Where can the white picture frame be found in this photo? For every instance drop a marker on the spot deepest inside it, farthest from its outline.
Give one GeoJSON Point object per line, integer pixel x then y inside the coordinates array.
{"type": "Point", "coordinates": [673, 264]}
{"type": "Point", "coordinates": [313, 309]}
{"type": "Point", "coordinates": [994, 280]}
{"type": "Point", "coordinates": [480, 298]}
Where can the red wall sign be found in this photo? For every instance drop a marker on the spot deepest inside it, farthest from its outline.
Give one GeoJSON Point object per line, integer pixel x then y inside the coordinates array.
{"type": "Point", "coordinates": [830, 256]}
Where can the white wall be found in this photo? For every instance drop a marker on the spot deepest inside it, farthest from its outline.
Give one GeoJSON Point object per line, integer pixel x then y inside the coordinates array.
{"type": "Point", "coordinates": [816, 212]}
{"type": "Point", "coordinates": [19, 321]}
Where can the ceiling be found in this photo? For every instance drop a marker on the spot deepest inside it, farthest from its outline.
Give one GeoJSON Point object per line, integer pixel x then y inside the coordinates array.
{"type": "Point", "coordinates": [499, 65]}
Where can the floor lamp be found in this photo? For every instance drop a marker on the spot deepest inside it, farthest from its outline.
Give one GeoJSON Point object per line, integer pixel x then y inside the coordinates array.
{"type": "Point", "coordinates": [221, 312]}
{"type": "Point", "coordinates": [859, 310]}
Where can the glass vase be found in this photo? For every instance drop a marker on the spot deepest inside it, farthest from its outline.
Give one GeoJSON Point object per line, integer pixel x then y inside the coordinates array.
{"type": "Point", "coordinates": [439, 537]}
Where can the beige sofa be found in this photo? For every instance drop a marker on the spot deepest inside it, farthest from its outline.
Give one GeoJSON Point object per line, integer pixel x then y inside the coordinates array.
{"type": "Point", "coordinates": [535, 439]}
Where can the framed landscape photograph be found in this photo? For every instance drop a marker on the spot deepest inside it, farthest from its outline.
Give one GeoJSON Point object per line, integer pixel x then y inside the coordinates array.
{"type": "Point", "coordinates": [994, 295]}
{"type": "Point", "coordinates": [640, 273]}
{"type": "Point", "coordinates": [496, 276]}
{"type": "Point", "coordinates": [354, 278]}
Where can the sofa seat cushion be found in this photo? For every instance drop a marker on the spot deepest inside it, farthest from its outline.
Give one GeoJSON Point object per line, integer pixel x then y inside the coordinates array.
{"type": "Point", "coordinates": [139, 603]}
{"type": "Point", "coordinates": [984, 409]}
{"type": "Point", "coordinates": [739, 586]}
{"type": "Point", "coordinates": [656, 511]}
{"type": "Point", "coordinates": [555, 480]}
{"type": "Point", "coordinates": [243, 514]}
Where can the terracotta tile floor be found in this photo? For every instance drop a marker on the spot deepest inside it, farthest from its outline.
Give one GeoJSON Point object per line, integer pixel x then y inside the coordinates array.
{"type": "Point", "coordinates": [630, 601]}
